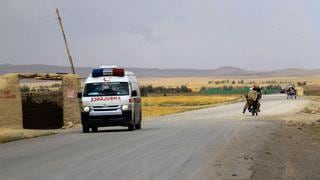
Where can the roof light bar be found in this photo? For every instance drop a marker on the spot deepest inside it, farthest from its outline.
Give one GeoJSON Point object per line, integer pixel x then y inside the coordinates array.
{"type": "Point", "coordinates": [118, 72]}
{"type": "Point", "coordinates": [108, 72]}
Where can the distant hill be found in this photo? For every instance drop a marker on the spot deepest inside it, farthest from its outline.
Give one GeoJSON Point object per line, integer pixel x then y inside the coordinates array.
{"type": "Point", "coordinates": [293, 72]}
{"type": "Point", "coordinates": [155, 72]}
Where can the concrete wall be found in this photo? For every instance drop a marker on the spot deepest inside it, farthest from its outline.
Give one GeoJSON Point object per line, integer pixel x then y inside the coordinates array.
{"type": "Point", "coordinates": [10, 102]}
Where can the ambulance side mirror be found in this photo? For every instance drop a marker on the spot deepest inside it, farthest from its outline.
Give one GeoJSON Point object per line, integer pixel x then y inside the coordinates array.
{"type": "Point", "coordinates": [134, 93]}
{"type": "Point", "coordinates": [79, 95]}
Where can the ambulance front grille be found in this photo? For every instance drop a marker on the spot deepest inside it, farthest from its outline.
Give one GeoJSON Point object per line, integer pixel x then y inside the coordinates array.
{"type": "Point", "coordinates": [105, 108]}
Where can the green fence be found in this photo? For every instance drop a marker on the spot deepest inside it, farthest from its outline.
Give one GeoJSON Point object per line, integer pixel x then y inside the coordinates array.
{"type": "Point", "coordinates": [271, 91]}
{"type": "Point", "coordinates": [236, 90]}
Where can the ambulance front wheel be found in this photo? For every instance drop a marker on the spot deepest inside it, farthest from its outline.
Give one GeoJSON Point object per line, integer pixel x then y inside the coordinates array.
{"type": "Point", "coordinates": [94, 129]}
{"type": "Point", "coordinates": [132, 126]}
{"type": "Point", "coordinates": [138, 126]}
{"type": "Point", "coordinates": [85, 129]}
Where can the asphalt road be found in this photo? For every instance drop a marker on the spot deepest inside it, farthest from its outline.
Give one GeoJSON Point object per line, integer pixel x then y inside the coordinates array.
{"type": "Point", "coordinates": [180, 146]}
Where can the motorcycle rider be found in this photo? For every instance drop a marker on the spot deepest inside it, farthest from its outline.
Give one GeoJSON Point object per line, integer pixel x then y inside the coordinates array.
{"type": "Point", "coordinates": [259, 91]}
{"type": "Point", "coordinates": [291, 89]}
{"type": "Point", "coordinates": [247, 105]}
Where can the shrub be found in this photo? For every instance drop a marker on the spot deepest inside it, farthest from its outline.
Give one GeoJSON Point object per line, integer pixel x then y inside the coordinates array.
{"type": "Point", "coordinates": [25, 88]}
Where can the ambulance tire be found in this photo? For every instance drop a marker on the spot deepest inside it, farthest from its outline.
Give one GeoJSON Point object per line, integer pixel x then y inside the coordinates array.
{"type": "Point", "coordinates": [85, 129]}
{"type": "Point", "coordinates": [138, 126]}
{"type": "Point", "coordinates": [94, 129]}
{"type": "Point", "coordinates": [132, 126]}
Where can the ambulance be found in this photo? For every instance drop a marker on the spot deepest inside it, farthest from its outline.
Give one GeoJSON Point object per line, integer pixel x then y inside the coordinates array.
{"type": "Point", "coordinates": [110, 97]}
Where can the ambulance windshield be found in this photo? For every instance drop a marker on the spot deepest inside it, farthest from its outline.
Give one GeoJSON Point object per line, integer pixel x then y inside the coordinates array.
{"type": "Point", "coordinates": [106, 89]}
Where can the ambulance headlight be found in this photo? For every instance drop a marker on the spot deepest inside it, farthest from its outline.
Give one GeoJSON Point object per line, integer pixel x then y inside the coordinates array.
{"type": "Point", "coordinates": [86, 109]}
{"type": "Point", "coordinates": [126, 107]}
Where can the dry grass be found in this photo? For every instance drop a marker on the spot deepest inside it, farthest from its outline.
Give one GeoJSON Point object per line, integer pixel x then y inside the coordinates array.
{"type": "Point", "coordinates": [9, 134]}
{"type": "Point", "coordinates": [158, 106]}
{"type": "Point", "coordinates": [312, 90]}
{"type": "Point", "coordinates": [195, 83]}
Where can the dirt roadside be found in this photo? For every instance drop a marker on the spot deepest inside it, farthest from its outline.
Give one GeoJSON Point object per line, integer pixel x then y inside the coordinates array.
{"type": "Point", "coordinates": [276, 147]}
{"type": "Point", "coordinates": [14, 134]}
{"type": "Point", "coordinates": [11, 134]}
{"type": "Point", "coordinates": [292, 151]}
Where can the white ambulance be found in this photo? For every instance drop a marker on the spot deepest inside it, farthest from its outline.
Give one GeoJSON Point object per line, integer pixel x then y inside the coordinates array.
{"type": "Point", "coordinates": [111, 97]}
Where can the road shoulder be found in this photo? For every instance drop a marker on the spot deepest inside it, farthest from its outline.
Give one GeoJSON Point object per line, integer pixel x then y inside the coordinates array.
{"type": "Point", "coordinates": [293, 151]}
{"type": "Point", "coordinates": [284, 146]}
{"type": "Point", "coordinates": [237, 159]}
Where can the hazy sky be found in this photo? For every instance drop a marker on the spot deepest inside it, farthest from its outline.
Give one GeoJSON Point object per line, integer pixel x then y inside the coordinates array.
{"type": "Point", "coordinates": [252, 34]}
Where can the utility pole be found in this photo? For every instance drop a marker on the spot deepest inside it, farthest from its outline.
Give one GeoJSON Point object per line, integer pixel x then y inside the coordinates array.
{"type": "Point", "coordinates": [65, 41]}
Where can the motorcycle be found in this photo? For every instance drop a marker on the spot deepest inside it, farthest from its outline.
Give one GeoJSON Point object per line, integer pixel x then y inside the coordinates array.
{"type": "Point", "coordinates": [254, 109]}
{"type": "Point", "coordinates": [291, 94]}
